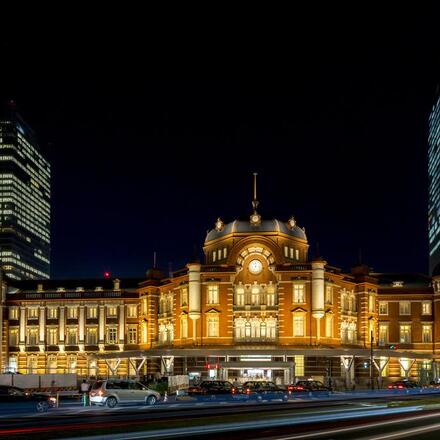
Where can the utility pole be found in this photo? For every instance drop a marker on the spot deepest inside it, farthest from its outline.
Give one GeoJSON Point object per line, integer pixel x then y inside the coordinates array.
{"type": "Point", "coordinates": [371, 359]}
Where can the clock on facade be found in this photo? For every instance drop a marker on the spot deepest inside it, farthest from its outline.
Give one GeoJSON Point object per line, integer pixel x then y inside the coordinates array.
{"type": "Point", "coordinates": [255, 267]}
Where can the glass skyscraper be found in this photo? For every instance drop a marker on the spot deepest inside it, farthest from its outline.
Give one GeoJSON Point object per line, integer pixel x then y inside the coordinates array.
{"type": "Point", "coordinates": [434, 185]}
{"type": "Point", "coordinates": [24, 202]}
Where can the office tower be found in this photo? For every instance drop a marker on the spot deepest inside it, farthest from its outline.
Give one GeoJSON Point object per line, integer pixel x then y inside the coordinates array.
{"type": "Point", "coordinates": [24, 201]}
{"type": "Point", "coordinates": [434, 185]}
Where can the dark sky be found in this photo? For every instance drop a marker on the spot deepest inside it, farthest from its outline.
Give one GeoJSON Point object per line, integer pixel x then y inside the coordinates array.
{"type": "Point", "coordinates": [337, 135]}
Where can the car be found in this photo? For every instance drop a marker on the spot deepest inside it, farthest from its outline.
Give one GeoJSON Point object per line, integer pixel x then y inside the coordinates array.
{"type": "Point", "coordinates": [264, 390]}
{"type": "Point", "coordinates": [213, 389]}
{"type": "Point", "coordinates": [111, 392]}
{"type": "Point", "coordinates": [19, 400]}
{"type": "Point", "coordinates": [402, 384]}
{"type": "Point", "coordinates": [307, 386]}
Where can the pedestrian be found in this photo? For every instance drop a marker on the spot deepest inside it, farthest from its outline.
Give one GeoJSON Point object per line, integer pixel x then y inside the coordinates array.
{"type": "Point", "coordinates": [84, 391]}
{"type": "Point", "coordinates": [236, 383]}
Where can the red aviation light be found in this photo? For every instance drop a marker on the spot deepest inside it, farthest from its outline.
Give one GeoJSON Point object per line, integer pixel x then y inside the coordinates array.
{"type": "Point", "coordinates": [107, 274]}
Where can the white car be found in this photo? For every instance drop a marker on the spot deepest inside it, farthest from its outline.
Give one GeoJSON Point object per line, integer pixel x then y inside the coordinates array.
{"type": "Point", "coordinates": [112, 392]}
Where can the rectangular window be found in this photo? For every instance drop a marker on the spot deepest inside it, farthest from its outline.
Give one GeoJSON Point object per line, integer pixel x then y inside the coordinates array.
{"type": "Point", "coordinates": [33, 313]}
{"type": "Point", "coordinates": [299, 293]}
{"type": "Point", "coordinates": [111, 335]}
{"type": "Point", "coordinates": [270, 296]}
{"type": "Point", "coordinates": [32, 336]}
{"type": "Point", "coordinates": [52, 313]}
{"type": "Point", "coordinates": [239, 296]}
{"type": "Point", "coordinates": [328, 294]}
{"type": "Point", "coordinates": [297, 254]}
{"type": "Point", "coordinates": [405, 333]}
{"type": "Point", "coordinates": [92, 312]}
{"type": "Point", "coordinates": [112, 311]}
{"type": "Point", "coordinates": [212, 323]}
{"type": "Point", "coordinates": [299, 365]}
{"type": "Point", "coordinates": [404, 308]}
{"type": "Point", "coordinates": [383, 308]}
{"type": "Point", "coordinates": [286, 251]}
{"type": "Point", "coordinates": [329, 325]}
{"type": "Point", "coordinates": [184, 297]}
{"type": "Point", "coordinates": [132, 311]}
{"type": "Point", "coordinates": [213, 297]}
{"type": "Point", "coordinates": [184, 327]}
{"type": "Point", "coordinates": [13, 337]}
{"type": "Point", "coordinates": [427, 333]}
{"type": "Point", "coordinates": [72, 312]}
{"type": "Point", "coordinates": [92, 336]}
{"type": "Point", "coordinates": [383, 334]}
{"type": "Point", "coordinates": [298, 325]}
{"type": "Point", "coordinates": [214, 256]}
{"type": "Point", "coordinates": [52, 336]}
{"type": "Point", "coordinates": [13, 313]}
{"type": "Point", "coordinates": [291, 253]}
{"type": "Point", "coordinates": [225, 252]}
{"type": "Point", "coordinates": [132, 335]}
{"type": "Point", "coordinates": [219, 254]}
{"type": "Point", "coordinates": [71, 336]}
{"type": "Point", "coordinates": [426, 308]}
{"type": "Point", "coordinates": [371, 303]}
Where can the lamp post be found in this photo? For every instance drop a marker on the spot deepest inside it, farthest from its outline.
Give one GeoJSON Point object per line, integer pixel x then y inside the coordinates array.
{"type": "Point", "coordinates": [371, 359]}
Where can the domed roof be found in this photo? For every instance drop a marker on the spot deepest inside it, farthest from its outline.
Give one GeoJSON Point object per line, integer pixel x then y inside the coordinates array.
{"type": "Point", "coordinates": [245, 226]}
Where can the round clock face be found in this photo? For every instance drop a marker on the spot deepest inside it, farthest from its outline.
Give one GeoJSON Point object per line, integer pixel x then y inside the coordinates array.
{"type": "Point", "coordinates": [255, 267]}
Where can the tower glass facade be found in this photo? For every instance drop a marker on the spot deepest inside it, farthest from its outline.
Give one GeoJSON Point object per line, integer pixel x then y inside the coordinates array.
{"type": "Point", "coordinates": [434, 185]}
{"type": "Point", "coordinates": [24, 202]}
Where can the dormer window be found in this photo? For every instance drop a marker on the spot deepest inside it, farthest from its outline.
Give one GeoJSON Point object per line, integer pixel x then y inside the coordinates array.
{"type": "Point", "coordinates": [397, 283]}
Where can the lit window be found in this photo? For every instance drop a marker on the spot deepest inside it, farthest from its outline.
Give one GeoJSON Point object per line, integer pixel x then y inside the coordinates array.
{"type": "Point", "coordinates": [239, 296]}
{"type": "Point", "coordinates": [212, 326]}
{"type": "Point", "coordinates": [13, 313]}
{"type": "Point", "coordinates": [112, 311]}
{"type": "Point", "coordinates": [111, 335]}
{"type": "Point", "coordinates": [299, 365]}
{"type": "Point", "coordinates": [291, 250]}
{"type": "Point", "coordinates": [13, 337]}
{"type": "Point", "coordinates": [225, 252]}
{"type": "Point", "coordinates": [297, 254]}
{"type": "Point", "coordinates": [184, 327]}
{"type": "Point", "coordinates": [32, 364]}
{"type": "Point", "coordinates": [328, 294]}
{"type": "Point", "coordinates": [32, 336]}
{"type": "Point", "coordinates": [404, 308]}
{"type": "Point", "coordinates": [71, 363]}
{"type": "Point", "coordinates": [71, 336]}
{"type": "Point", "coordinates": [270, 296]}
{"type": "Point", "coordinates": [184, 297]}
{"type": "Point", "coordinates": [72, 312]}
{"type": "Point", "coordinates": [33, 313]}
{"type": "Point", "coordinates": [298, 293]}
{"type": "Point", "coordinates": [214, 256]}
{"type": "Point", "coordinates": [92, 335]}
{"type": "Point", "coordinates": [255, 296]}
{"type": "Point", "coordinates": [426, 308]}
{"type": "Point", "coordinates": [383, 334]}
{"type": "Point", "coordinates": [132, 311]}
{"type": "Point", "coordinates": [219, 253]}
{"type": "Point", "coordinates": [52, 313]}
{"type": "Point", "coordinates": [92, 312]}
{"type": "Point", "coordinates": [52, 336]}
{"type": "Point", "coordinates": [132, 335]}
{"type": "Point", "coordinates": [298, 325]}
{"type": "Point", "coordinates": [383, 308]}
{"type": "Point", "coordinates": [52, 364]}
{"type": "Point", "coordinates": [427, 333]}
{"type": "Point", "coordinates": [286, 251]}
{"type": "Point", "coordinates": [329, 325]}
{"type": "Point", "coordinates": [371, 303]}
{"type": "Point", "coordinates": [239, 328]}
{"type": "Point", "coordinates": [213, 294]}
{"type": "Point", "coordinates": [405, 334]}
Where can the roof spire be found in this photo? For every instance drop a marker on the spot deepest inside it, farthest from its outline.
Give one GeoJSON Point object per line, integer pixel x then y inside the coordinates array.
{"type": "Point", "coordinates": [255, 201]}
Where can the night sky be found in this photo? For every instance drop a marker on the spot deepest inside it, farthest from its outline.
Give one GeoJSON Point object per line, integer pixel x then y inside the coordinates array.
{"type": "Point", "coordinates": [339, 139]}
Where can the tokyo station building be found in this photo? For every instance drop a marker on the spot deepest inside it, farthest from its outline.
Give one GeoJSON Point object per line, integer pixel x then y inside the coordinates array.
{"type": "Point", "coordinates": [258, 307]}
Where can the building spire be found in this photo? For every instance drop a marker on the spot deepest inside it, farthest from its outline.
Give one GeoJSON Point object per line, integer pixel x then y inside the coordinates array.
{"type": "Point", "coordinates": [255, 201]}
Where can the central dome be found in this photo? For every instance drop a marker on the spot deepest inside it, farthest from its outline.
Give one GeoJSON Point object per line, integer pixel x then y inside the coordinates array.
{"type": "Point", "coordinates": [246, 227]}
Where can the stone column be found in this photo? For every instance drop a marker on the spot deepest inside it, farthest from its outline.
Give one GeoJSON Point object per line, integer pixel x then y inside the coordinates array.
{"type": "Point", "coordinates": [121, 326]}
{"type": "Point", "coordinates": [101, 328]}
{"type": "Point", "coordinates": [42, 328]}
{"type": "Point", "coordinates": [318, 293]}
{"type": "Point", "coordinates": [195, 295]}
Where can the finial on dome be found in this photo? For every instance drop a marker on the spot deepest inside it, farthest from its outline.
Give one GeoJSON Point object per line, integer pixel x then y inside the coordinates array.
{"type": "Point", "coordinates": [219, 224]}
{"type": "Point", "coordinates": [291, 222]}
{"type": "Point", "coordinates": [255, 217]}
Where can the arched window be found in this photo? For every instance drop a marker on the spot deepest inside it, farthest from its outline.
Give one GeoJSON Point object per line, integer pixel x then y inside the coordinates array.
{"type": "Point", "coordinates": [255, 328]}
{"type": "Point", "coordinates": [247, 329]}
{"type": "Point", "coordinates": [170, 332]}
{"type": "Point", "coordinates": [255, 296]}
{"type": "Point", "coordinates": [271, 328]}
{"type": "Point", "coordinates": [239, 325]}
{"type": "Point", "coordinates": [162, 333]}
{"type": "Point", "coordinates": [239, 296]}
{"type": "Point", "coordinates": [183, 326]}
